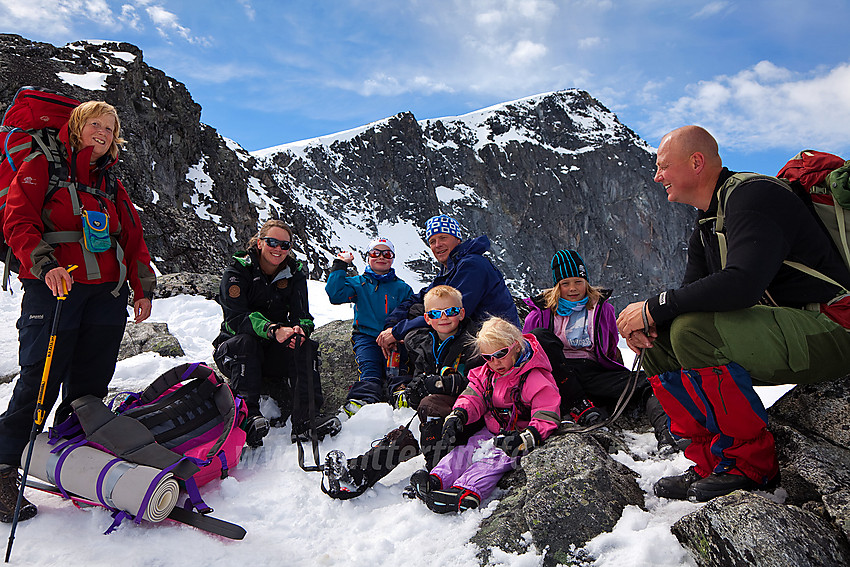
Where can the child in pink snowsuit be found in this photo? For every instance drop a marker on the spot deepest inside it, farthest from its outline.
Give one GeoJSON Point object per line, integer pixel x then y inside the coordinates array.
{"type": "Point", "coordinates": [518, 398]}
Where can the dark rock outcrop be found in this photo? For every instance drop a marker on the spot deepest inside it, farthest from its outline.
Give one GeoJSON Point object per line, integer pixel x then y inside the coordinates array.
{"type": "Point", "coordinates": [148, 337]}
{"type": "Point", "coordinates": [811, 425]}
{"type": "Point", "coordinates": [539, 174]}
{"type": "Point", "coordinates": [747, 530]}
{"type": "Point", "coordinates": [567, 492]}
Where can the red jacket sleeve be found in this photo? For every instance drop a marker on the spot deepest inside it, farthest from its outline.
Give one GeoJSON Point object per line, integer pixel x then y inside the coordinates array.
{"type": "Point", "coordinates": [140, 275]}
{"type": "Point", "coordinates": [23, 226]}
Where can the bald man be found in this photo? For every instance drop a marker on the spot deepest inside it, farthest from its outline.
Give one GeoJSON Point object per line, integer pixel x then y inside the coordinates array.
{"type": "Point", "coordinates": [740, 318]}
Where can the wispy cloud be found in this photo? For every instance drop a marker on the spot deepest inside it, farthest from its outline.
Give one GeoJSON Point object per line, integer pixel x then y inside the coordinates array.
{"type": "Point", "coordinates": [712, 9]}
{"type": "Point", "coordinates": [589, 42]}
{"type": "Point", "coordinates": [249, 9]}
{"type": "Point", "coordinates": [167, 24]}
{"type": "Point", "coordinates": [767, 107]}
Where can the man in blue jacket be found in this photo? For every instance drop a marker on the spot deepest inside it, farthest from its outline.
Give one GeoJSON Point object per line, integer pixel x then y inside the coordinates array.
{"type": "Point", "coordinates": [464, 268]}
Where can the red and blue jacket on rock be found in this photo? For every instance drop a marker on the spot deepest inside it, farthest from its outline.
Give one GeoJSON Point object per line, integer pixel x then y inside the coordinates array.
{"type": "Point", "coordinates": [29, 216]}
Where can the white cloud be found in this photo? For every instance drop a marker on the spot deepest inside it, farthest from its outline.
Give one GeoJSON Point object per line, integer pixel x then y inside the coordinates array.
{"type": "Point", "coordinates": [50, 16]}
{"type": "Point", "coordinates": [589, 42]}
{"type": "Point", "coordinates": [712, 9]}
{"type": "Point", "coordinates": [167, 23]}
{"type": "Point", "coordinates": [129, 17]}
{"type": "Point", "coordinates": [768, 107]}
{"type": "Point", "coordinates": [526, 52]}
{"type": "Point", "coordinates": [382, 84]}
{"type": "Point", "coordinates": [249, 9]}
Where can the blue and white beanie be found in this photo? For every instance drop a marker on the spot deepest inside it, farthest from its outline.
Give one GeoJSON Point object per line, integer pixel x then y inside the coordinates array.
{"type": "Point", "coordinates": [567, 264]}
{"type": "Point", "coordinates": [442, 224]}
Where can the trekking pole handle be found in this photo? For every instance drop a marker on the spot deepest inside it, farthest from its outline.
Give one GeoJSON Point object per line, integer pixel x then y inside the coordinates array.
{"type": "Point", "coordinates": [40, 414]}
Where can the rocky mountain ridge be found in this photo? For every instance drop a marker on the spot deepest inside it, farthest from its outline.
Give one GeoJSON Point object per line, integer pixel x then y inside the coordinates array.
{"type": "Point", "coordinates": [536, 175]}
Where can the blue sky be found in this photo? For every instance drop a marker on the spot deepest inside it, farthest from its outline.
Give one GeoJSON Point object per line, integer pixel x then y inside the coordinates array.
{"type": "Point", "coordinates": [768, 78]}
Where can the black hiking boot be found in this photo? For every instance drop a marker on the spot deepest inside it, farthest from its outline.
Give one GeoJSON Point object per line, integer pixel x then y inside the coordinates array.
{"type": "Point", "coordinates": [584, 413]}
{"type": "Point", "coordinates": [454, 499]}
{"type": "Point", "coordinates": [325, 425]}
{"type": "Point", "coordinates": [676, 487]}
{"type": "Point", "coordinates": [721, 484]}
{"type": "Point", "coordinates": [422, 482]}
{"type": "Point", "coordinates": [9, 481]}
{"type": "Point", "coordinates": [256, 427]}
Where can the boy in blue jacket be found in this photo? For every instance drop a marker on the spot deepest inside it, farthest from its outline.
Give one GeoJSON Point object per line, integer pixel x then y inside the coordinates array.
{"type": "Point", "coordinates": [375, 295]}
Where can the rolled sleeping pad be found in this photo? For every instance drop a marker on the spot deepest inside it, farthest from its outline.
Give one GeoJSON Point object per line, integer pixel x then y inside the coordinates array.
{"type": "Point", "coordinates": [139, 490]}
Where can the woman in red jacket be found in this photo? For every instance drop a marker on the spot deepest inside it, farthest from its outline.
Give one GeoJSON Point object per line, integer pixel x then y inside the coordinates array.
{"type": "Point", "coordinates": [45, 229]}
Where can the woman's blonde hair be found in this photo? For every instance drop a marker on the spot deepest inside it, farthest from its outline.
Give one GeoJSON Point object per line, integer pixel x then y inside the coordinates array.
{"type": "Point", "coordinates": [93, 109]}
{"type": "Point", "coordinates": [499, 333]}
{"type": "Point", "coordinates": [551, 296]}
{"type": "Point", "coordinates": [264, 230]}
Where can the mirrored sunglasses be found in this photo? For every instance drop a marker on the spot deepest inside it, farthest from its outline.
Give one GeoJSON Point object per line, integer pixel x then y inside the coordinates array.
{"type": "Point", "coordinates": [374, 253]}
{"type": "Point", "coordinates": [274, 243]}
{"type": "Point", "coordinates": [438, 313]}
{"type": "Point", "coordinates": [499, 354]}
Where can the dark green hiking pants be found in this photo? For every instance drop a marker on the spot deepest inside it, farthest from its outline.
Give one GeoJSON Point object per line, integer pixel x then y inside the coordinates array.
{"type": "Point", "coordinates": [776, 345]}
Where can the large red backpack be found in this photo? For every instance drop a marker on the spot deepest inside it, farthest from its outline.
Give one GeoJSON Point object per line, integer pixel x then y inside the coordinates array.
{"type": "Point", "coordinates": [29, 128]}
{"type": "Point", "coordinates": [825, 177]}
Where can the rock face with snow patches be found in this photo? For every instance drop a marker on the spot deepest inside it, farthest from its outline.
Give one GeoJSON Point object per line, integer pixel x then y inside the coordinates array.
{"type": "Point", "coordinates": [176, 169]}
{"type": "Point", "coordinates": [536, 175]}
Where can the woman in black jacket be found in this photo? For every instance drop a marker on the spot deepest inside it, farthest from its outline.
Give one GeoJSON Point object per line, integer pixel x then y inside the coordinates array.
{"type": "Point", "coordinates": [264, 344]}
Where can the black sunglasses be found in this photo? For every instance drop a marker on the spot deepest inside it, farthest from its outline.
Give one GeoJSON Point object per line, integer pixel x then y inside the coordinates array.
{"type": "Point", "coordinates": [374, 253]}
{"type": "Point", "coordinates": [274, 243]}
{"type": "Point", "coordinates": [438, 313]}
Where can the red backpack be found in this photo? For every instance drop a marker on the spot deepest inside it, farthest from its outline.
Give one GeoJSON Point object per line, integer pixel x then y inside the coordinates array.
{"type": "Point", "coordinates": [826, 177]}
{"type": "Point", "coordinates": [30, 127]}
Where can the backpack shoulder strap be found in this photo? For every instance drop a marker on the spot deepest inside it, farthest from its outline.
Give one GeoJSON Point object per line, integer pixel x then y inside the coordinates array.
{"type": "Point", "coordinates": [735, 181]}
{"type": "Point", "coordinates": [723, 194]}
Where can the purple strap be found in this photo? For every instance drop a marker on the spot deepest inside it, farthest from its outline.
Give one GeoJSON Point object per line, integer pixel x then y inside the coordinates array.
{"type": "Point", "coordinates": [118, 516]}
{"type": "Point", "coordinates": [102, 477]}
{"type": "Point", "coordinates": [57, 471]}
{"type": "Point", "coordinates": [149, 492]}
{"type": "Point", "coordinates": [65, 443]}
{"type": "Point", "coordinates": [189, 370]}
{"type": "Point", "coordinates": [194, 500]}
{"type": "Point", "coordinates": [223, 458]}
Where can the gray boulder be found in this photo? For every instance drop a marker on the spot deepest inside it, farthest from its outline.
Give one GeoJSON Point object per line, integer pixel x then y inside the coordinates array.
{"type": "Point", "coordinates": [567, 492]}
{"type": "Point", "coordinates": [148, 337]}
{"type": "Point", "coordinates": [750, 530]}
{"type": "Point", "coordinates": [338, 367]}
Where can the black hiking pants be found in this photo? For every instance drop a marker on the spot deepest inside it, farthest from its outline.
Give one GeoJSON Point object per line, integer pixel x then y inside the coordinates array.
{"type": "Point", "coordinates": [259, 366]}
{"type": "Point", "coordinates": [91, 325]}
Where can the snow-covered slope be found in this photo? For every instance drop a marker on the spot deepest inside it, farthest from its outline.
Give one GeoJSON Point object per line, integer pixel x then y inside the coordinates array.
{"type": "Point", "coordinates": [288, 519]}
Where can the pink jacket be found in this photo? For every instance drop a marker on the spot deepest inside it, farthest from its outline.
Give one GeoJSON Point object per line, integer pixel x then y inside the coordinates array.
{"type": "Point", "coordinates": [539, 394]}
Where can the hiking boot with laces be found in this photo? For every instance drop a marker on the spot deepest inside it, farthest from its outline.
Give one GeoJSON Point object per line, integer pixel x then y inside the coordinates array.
{"type": "Point", "coordinates": [585, 413]}
{"type": "Point", "coordinates": [676, 487]}
{"type": "Point", "coordinates": [454, 499]}
{"type": "Point", "coordinates": [422, 482]}
{"type": "Point", "coordinates": [9, 482]}
{"type": "Point", "coordinates": [256, 427]}
{"type": "Point", "coordinates": [721, 484]}
{"type": "Point", "coordinates": [325, 425]}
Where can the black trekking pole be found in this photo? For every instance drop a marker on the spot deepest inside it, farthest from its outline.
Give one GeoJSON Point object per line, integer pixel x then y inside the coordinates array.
{"type": "Point", "coordinates": [39, 415]}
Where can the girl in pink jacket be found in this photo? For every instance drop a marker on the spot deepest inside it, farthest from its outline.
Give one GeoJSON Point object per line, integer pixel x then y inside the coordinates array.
{"type": "Point", "coordinates": [516, 395]}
